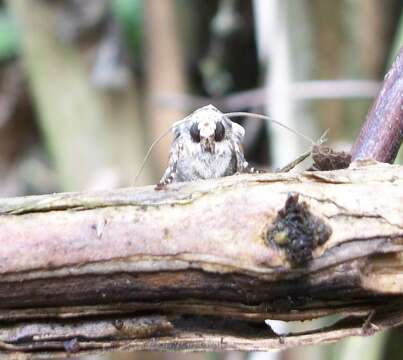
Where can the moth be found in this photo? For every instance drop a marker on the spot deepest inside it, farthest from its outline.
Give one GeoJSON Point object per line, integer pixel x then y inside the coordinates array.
{"type": "Point", "coordinates": [206, 145]}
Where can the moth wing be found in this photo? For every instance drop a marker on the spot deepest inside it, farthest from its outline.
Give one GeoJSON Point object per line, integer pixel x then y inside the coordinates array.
{"type": "Point", "coordinates": [174, 155]}
{"type": "Point", "coordinates": [238, 132]}
{"type": "Point", "coordinates": [237, 135]}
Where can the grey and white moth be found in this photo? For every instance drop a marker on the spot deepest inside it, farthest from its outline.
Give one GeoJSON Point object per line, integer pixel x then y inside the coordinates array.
{"type": "Point", "coordinates": [206, 144]}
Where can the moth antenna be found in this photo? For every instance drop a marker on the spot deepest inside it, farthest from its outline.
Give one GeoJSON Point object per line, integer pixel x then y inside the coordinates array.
{"type": "Point", "coordinates": [150, 149]}
{"type": "Point", "coordinates": [232, 114]}
{"type": "Point", "coordinates": [264, 117]}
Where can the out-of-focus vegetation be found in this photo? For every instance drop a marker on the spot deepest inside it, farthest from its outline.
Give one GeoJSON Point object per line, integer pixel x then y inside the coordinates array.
{"type": "Point", "coordinates": [130, 14]}
{"type": "Point", "coordinates": [9, 45]}
{"type": "Point", "coordinates": [85, 85]}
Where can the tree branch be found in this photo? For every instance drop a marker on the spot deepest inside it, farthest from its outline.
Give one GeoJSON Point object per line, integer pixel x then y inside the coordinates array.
{"type": "Point", "coordinates": [201, 265]}
{"type": "Point", "coordinates": [381, 135]}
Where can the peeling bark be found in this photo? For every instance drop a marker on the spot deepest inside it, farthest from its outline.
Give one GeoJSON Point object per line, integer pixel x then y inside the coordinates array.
{"type": "Point", "coordinates": [201, 265]}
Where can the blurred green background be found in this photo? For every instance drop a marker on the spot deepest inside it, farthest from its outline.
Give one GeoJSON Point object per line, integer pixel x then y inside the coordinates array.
{"type": "Point", "coordinates": [86, 85]}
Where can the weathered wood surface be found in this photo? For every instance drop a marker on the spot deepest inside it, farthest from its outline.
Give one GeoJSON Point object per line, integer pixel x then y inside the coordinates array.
{"type": "Point", "coordinates": [199, 266]}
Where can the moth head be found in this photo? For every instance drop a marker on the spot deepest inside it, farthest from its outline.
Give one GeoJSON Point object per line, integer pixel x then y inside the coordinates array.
{"type": "Point", "coordinates": [207, 127]}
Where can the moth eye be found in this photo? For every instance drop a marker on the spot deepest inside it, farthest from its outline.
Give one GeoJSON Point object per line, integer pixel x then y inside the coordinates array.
{"type": "Point", "coordinates": [219, 131]}
{"type": "Point", "coordinates": [195, 133]}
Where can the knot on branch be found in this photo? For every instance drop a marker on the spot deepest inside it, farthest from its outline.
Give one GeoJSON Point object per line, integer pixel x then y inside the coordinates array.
{"type": "Point", "coordinates": [297, 231]}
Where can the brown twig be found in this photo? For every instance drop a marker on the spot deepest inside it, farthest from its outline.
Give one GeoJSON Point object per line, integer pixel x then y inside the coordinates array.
{"type": "Point", "coordinates": [382, 133]}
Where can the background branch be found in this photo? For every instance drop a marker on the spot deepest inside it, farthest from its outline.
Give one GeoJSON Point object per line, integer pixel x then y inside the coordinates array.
{"type": "Point", "coordinates": [382, 133]}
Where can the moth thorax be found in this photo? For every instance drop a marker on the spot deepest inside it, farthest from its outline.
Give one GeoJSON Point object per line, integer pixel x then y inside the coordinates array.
{"type": "Point", "coordinates": [207, 129]}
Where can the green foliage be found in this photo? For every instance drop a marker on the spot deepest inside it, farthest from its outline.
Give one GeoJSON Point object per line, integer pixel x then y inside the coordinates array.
{"type": "Point", "coordinates": [129, 13]}
{"type": "Point", "coordinates": [9, 42]}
